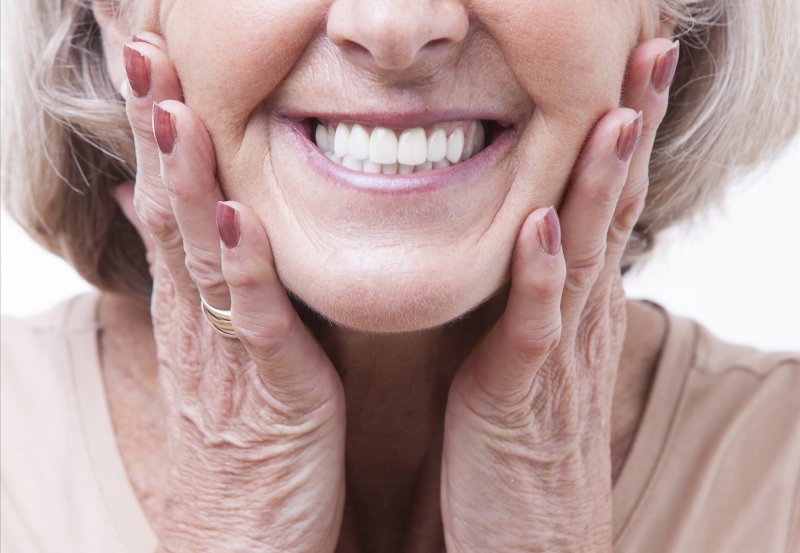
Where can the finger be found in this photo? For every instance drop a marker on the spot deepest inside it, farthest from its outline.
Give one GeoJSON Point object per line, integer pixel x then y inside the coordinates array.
{"type": "Point", "coordinates": [293, 368]}
{"type": "Point", "coordinates": [590, 203]}
{"type": "Point", "coordinates": [650, 73]}
{"type": "Point", "coordinates": [151, 78]}
{"type": "Point", "coordinates": [188, 170]}
{"type": "Point", "coordinates": [153, 39]}
{"type": "Point", "coordinates": [503, 366]}
{"type": "Point", "coordinates": [123, 194]}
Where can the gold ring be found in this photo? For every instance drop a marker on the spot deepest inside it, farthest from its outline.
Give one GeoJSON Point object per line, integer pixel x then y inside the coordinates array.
{"type": "Point", "coordinates": [219, 319]}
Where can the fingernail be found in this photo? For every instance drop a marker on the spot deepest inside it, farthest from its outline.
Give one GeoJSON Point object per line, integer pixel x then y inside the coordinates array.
{"type": "Point", "coordinates": [228, 225]}
{"type": "Point", "coordinates": [629, 138]}
{"type": "Point", "coordinates": [137, 69]}
{"type": "Point", "coordinates": [164, 129]}
{"type": "Point", "coordinates": [664, 68]}
{"type": "Point", "coordinates": [549, 229]}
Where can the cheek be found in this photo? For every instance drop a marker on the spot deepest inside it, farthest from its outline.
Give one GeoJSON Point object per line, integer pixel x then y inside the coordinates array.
{"type": "Point", "coordinates": [570, 58]}
{"type": "Point", "coordinates": [569, 55]}
{"type": "Point", "coordinates": [230, 55]}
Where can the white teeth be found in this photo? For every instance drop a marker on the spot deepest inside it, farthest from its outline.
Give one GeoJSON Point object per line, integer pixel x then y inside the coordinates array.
{"type": "Point", "coordinates": [473, 141]}
{"type": "Point", "coordinates": [412, 147]}
{"type": "Point", "coordinates": [381, 151]}
{"type": "Point", "coordinates": [455, 144]}
{"type": "Point", "coordinates": [469, 141]}
{"type": "Point", "coordinates": [383, 146]}
{"type": "Point", "coordinates": [359, 142]}
{"type": "Point", "coordinates": [437, 145]}
{"type": "Point", "coordinates": [352, 163]}
{"type": "Point", "coordinates": [341, 140]}
{"type": "Point", "coordinates": [322, 139]}
{"type": "Point", "coordinates": [371, 166]}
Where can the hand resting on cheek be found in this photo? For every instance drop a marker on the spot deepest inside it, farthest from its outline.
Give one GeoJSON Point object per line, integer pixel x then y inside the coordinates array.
{"type": "Point", "coordinates": [256, 425]}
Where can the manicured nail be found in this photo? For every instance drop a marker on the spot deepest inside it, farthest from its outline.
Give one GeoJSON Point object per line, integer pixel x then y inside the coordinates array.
{"type": "Point", "coordinates": [549, 229]}
{"type": "Point", "coordinates": [629, 138]}
{"type": "Point", "coordinates": [228, 225]}
{"type": "Point", "coordinates": [164, 129]}
{"type": "Point", "coordinates": [664, 68]}
{"type": "Point", "coordinates": [137, 69]}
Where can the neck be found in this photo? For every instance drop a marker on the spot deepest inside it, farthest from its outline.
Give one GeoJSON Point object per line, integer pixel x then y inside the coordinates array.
{"type": "Point", "coordinates": [396, 388]}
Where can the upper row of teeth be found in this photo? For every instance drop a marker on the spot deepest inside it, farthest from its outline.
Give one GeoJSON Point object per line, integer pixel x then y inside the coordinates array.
{"type": "Point", "coordinates": [382, 151]}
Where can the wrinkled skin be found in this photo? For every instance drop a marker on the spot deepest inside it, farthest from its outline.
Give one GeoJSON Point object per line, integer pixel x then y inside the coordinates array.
{"type": "Point", "coordinates": [256, 426]}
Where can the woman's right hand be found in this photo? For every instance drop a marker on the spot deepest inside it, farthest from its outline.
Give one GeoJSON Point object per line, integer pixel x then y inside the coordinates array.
{"type": "Point", "coordinates": [256, 426]}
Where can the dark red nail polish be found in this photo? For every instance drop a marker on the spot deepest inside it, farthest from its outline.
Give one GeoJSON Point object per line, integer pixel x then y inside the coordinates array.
{"type": "Point", "coordinates": [228, 225]}
{"type": "Point", "coordinates": [164, 129]}
{"type": "Point", "coordinates": [664, 68]}
{"type": "Point", "coordinates": [549, 229]}
{"type": "Point", "coordinates": [629, 138]}
{"type": "Point", "coordinates": [137, 69]}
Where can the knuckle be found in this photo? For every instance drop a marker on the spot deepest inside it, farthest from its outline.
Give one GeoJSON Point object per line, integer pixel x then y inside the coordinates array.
{"type": "Point", "coordinates": [542, 284]}
{"type": "Point", "coordinates": [159, 221]}
{"type": "Point", "coordinates": [533, 338]}
{"type": "Point", "coordinates": [625, 219]}
{"type": "Point", "coordinates": [583, 272]}
{"type": "Point", "coordinates": [204, 269]}
{"type": "Point", "coordinates": [244, 281]}
{"type": "Point", "coordinates": [593, 334]}
{"type": "Point", "coordinates": [267, 333]}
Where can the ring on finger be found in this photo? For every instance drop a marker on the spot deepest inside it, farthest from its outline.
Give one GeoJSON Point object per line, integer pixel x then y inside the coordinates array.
{"type": "Point", "coordinates": [219, 319]}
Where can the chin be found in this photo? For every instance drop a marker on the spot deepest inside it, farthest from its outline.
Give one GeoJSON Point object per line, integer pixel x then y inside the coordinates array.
{"type": "Point", "coordinates": [379, 305]}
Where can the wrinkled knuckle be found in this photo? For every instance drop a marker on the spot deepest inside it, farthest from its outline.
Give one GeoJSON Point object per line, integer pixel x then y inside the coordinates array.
{"type": "Point", "coordinates": [204, 270]}
{"type": "Point", "coordinates": [540, 285]}
{"type": "Point", "coordinates": [267, 333]}
{"type": "Point", "coordinates": [583, 272]}
{"type": "Point", "coordinates": [625, 219]}
{"type": "Point", "coordinates": [533, 338]}
{"type": "Point", "coordinates": [243, 280]}
{"type": "Point", "coordinates": [593, 333]}
{"type": "Point", "coordinates": [158, 221]}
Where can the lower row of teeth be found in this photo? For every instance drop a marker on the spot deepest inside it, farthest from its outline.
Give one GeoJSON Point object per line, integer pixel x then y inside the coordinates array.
{"type": "Point", "coordinates": [382, 151]}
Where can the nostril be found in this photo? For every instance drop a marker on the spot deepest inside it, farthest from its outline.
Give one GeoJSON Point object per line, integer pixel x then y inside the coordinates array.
{"type": "Point", "coordinates": [437, 43]}
{"type": "Point", "coordinates": [354, 47]}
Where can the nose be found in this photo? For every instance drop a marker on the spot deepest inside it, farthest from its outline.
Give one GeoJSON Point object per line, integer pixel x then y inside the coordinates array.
{"type": "Point", "coordinates": [393, 35]}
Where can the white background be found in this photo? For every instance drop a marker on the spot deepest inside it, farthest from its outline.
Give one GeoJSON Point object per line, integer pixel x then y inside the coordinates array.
{"type": "Point", "coordinates": [737, 272]}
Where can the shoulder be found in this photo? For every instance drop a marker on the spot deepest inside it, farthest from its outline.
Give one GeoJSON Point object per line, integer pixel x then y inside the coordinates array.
{"type": "Point", "coordinates": [25, 341]}
{"type": "Point", "coordinates": [718, 454]}
{"type": "Point", "coordinates": [715, 356]}
{"type": "Point", "coordinates": [746, 376]}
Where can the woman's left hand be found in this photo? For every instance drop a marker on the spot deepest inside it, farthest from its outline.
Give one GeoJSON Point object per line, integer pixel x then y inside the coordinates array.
{"type": "Point", "coordinates": [526, 461]}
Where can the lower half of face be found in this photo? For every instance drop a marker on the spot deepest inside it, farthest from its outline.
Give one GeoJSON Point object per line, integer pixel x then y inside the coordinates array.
{"type": "Point", "coordinates": [393, 195]}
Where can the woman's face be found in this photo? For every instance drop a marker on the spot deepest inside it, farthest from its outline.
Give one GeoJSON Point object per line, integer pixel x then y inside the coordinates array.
{"type": "Point", "coordinates": [381, 252]}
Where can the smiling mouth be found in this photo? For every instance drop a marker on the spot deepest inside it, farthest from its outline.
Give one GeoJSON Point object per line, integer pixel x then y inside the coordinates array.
{"type": "Point", "coordinates": [365, 148]}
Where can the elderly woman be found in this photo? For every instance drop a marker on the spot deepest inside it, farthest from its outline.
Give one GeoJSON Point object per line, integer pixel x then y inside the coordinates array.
{"type": "Point", "coordinates": [360, 268]}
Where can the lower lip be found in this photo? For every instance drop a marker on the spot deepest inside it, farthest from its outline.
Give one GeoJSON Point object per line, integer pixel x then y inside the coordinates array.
{"type": "Point", "coordinates": [426, 181]}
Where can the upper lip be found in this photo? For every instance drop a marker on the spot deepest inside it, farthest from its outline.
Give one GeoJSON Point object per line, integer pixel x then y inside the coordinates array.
{"type": "Point", "coordinates": [402, 119]}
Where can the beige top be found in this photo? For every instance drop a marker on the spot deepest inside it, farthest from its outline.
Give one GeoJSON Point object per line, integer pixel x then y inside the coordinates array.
{"type": "Point", "coordinates": [715, 466]}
